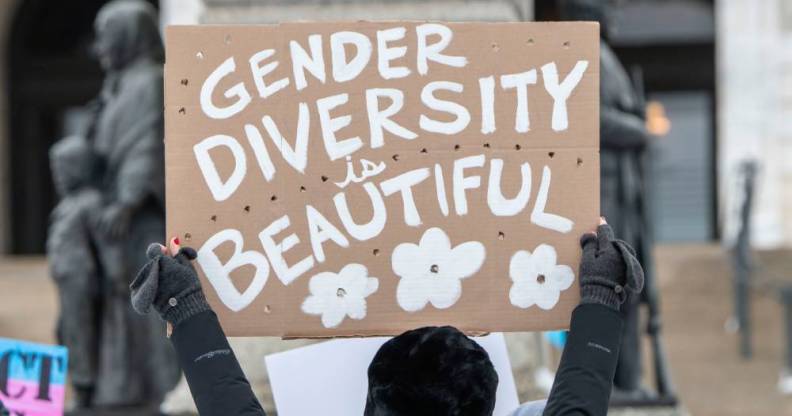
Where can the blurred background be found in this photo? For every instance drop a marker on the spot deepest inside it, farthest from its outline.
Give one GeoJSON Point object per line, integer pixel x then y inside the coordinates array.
{"type": "Point", "coordinates": [717, 77]}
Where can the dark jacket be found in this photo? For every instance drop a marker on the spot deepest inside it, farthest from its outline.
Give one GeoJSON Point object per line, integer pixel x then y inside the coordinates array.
{"type": "Point", "coordinates": [583, 382]}
{"type": "Point", "coordinates": [582, 385]}
{"type": "Point", "coordinates": [216, 380]}
{"type": "Point", "coordinates": [623, 139]}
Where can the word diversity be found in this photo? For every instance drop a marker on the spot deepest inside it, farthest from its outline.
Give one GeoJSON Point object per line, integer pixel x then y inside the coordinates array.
{"type": "Point", "coordinates": [345, 69]}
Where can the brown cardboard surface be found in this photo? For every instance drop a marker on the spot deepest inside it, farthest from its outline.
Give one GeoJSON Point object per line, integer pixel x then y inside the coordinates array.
{"type": "Point", "coordinates": [483, 304]}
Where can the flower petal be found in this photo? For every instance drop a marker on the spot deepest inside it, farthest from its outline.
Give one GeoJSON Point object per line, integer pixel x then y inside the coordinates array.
{"type": "Point", "coordinates": [521, 267]}
{"type": "Point", "coordinates": [435, 240]}
{"type": "Point", "coordinates": [313, 305]}
{"type": "Point", "coordinates": [323, 284]}
{"type": "Point", "coordinates": [465, 259]}
{"type": "Point", "coordinates": [446, 293]}
{"type": "Point", "coordinates": [523, 293]}
{"type": "Point", "coordinates": [372, 284]}
{"type": "Point", "coordinates": [562, 277]}
{"type": "Point", "coordinates": [544, 257]}
{"type": "Point", "coordinates": [354, 271]}
{"type": "Point", "coordinates": [412, 294]}
{"type": "Point", "coordinates": [548, 298]}
{"type": "Point", "coordinates": [356, 308]}
{"type": "Point", "coordinates": [333, 315]}
{"type": "Point", "coordinates": [353, 279]}
{"type": "Point", "coordinates": [405, 259]}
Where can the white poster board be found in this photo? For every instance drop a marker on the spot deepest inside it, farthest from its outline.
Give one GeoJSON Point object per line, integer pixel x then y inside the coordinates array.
{"type": "Point", "coordinates": [305, 382]}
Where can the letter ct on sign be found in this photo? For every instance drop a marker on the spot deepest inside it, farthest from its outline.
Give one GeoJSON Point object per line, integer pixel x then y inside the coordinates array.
{"type": "Point", "coordinates": [32, 377]}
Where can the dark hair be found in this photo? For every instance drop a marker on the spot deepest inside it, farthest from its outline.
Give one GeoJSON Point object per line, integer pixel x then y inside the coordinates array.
{"type": "Point", "coordinates": [435, 371]}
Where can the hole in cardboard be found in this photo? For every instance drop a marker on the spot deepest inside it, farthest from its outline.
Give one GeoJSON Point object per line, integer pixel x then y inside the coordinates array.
{"type": "Point", "coordinates": [214, 217]}
{"type": "Point", "coordinates": [324, 178]}
{"type": "Point", "coordinates": [579, 161]}
{"type": "Point", "coordinates": [182, 111]}
{"type": "Point", "coordinates": [487, 145]}
{"type": "Point", "coordinates": [530, 41]}
{"type": "Point", "coordinates": [247, 208]}
{"type": "Point", "coordinates": [501, 235]}
{"type": "Point", "coordinates": [424, 150]}
{"type": "Point", "coordinates": [395, 158]}
{"type": "Point", "coordinates": [517, 147]}
{"type": "Point", "coordinates": [456, 147]}
{"type": "Point", "coordinates": [551, 154]}
{"type": "Point", "coordinates": [187, 236]}
{"type": "Point", "coordinates": [434, 268]}
{"type": "Point", "coordinates": [540, 279]}
{"type": "Point", "coordinates": [302, 189]}
{"type": "Point", "coordinates": [375, 252]}
{"type": "Point", "coordinates": [495, 47]}
{"type": "Point", "coordinates": [185, 81]}
{"type": "Point", "coordinates": [199, 55]}
{"type": "Point", "coordinates": [566, 45]}
{"type": "Point", "coordinates": [274, 198]}
{"type": "Point", "coordinates": [267, 309]}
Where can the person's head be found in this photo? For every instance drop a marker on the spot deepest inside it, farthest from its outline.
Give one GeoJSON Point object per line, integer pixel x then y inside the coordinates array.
{"type": "Point", "coordinates": [601, 11]}
{"type": "Point", "coordinates": [71, 162]}
{"type": "Point", "coordinates": [127, 30]}
{"type": "Point", "coordinates": [435, 371]}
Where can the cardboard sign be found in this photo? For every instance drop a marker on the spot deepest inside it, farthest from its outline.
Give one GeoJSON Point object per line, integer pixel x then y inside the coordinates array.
{"type": "Point", "coordinates": [343, 179]}
{"type": "Point", "coordinates": [305, 382]}
{"type": "Point", "coordinates": [32, 377]}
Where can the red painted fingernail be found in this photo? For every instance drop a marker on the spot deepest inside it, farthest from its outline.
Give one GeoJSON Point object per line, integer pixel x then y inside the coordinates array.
{"type": "Point", "coordinates": [176, 241]}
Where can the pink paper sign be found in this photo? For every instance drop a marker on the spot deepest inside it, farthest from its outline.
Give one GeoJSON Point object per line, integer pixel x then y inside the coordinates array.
{"type": "Point", "coordinates": [32, 377]}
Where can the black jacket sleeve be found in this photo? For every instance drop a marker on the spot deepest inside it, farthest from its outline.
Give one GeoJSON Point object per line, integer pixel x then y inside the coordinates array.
{"type": "Point", "coordinates": [621, 130]}
{"type": "Point", "coordinates": [216, 380]}
{"type": "Point", "coordinates": [583, 382]}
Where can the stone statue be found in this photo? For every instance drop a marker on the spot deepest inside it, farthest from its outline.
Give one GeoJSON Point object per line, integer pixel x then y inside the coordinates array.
{"type": "Point", "coordinates": [111, 183]}
{"type": "Point", "coordinates": [71, 259]}
{"type": "Point", "coordinates": [623, 143]}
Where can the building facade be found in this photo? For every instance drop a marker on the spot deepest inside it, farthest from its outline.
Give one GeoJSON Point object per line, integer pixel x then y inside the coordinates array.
{"type": "Point", "coordinates": [755, 118]}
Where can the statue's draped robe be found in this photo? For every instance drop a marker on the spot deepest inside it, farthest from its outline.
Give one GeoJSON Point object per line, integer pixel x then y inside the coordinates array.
{"type": "Point", "coordinates": [70, 253]}
{"type": "Point", "coordinates": [136, 364]}
{"type": "Point", "coordinates": [623, 140]}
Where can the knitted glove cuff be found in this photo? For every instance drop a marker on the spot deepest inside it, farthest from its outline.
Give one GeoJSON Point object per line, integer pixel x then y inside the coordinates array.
{"type": "Point", "coordinates": [181, 307]}
{"type": "Point", "coordinates": [602, 291]}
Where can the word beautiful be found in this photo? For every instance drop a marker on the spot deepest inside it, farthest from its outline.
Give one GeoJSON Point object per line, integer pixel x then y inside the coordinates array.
{"type": "Point", "coordinates": [346, 69]}
{"type": "Point", "coordinates": [321, 230]}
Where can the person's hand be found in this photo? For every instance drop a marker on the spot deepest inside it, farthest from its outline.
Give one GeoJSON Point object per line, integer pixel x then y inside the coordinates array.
{"type": "Point", "coordinates": [169, 284]}
{"type": "Point", "coordinates": [609, 271]}
{"type": "Point", "coordinates": [113, 221]}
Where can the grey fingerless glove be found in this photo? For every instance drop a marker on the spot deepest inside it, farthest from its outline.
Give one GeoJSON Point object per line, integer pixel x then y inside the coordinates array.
{"type": "Point", "coordinates": [609, 270]}
{"type": "Point", "coordinates": [170, 285]}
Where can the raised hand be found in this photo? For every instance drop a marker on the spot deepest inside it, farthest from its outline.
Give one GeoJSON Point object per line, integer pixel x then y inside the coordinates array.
{"type": "Point", "coordinates": [609, 270]}
{"type": "Point", "coordinates": [169, 284]}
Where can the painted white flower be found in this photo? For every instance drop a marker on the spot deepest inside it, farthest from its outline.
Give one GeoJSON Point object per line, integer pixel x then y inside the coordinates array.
{"type": "Point", "coordinates": [538, 280]}
{"type": "Point", "coordinates": [338, 295]}
{"type": "Point", "coordinates": [432, 271]}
